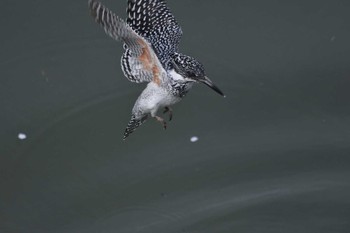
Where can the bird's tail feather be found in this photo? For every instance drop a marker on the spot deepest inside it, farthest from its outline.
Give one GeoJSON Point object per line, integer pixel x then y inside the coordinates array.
{"type": "Point", "coordinates": [133, 124]}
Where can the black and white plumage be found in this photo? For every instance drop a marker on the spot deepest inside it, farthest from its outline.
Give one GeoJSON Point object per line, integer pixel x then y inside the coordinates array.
{"type": "Point", "coordinates": [151, 37]}
{"type": "Point", "coordinates": [153, 21]}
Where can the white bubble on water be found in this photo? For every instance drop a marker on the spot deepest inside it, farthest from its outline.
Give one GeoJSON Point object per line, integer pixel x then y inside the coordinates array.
{"type": "Point", "coordinates": [194, 139]}
{"type": "Point", "coordinates": [22, 136]}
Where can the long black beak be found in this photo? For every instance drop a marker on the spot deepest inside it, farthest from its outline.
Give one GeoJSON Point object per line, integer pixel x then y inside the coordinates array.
{"type": "Point", "coordinates": [210, 84]}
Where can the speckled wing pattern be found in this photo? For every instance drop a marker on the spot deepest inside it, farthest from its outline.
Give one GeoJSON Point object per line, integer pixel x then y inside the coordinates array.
{"type": "Point", "coordinates": [142, 62]}
{"type": "Point", "coordinates": [153, 20]}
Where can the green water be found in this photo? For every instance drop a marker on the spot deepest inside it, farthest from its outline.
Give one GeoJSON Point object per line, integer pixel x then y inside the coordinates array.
{"type": "Point", "coordinates": [274, 156]}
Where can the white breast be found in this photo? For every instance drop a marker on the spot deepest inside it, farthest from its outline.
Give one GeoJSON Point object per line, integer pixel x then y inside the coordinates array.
{"type": "Point", "coordinates": [153, 98]}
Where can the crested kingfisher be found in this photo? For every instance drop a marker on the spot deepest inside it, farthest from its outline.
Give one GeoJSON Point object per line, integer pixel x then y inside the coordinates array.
{"type": "Point", "coordinates": [151, 37]}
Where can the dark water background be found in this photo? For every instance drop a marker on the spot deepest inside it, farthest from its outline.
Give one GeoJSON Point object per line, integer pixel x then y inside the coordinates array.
{"type": "Point", "coordinates": [274, 156]}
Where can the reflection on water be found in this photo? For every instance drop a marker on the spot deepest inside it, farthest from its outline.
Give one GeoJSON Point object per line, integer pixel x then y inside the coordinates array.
{"type": "Point", "coordinates": [271, 157]}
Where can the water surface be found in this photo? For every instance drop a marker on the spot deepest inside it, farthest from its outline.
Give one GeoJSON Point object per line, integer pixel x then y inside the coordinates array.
{"type": "Point", "coordinates": [271, 157]}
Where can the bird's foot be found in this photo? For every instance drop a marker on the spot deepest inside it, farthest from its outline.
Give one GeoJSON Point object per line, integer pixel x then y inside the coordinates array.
{"type": "Point", "coordinates": [170, 110]}
{"type": "Point", "coordinates": [161, 120]}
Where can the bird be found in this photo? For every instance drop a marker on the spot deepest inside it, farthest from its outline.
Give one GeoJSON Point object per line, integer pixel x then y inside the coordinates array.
{"type": "Point", "coordinates": [151, 37]}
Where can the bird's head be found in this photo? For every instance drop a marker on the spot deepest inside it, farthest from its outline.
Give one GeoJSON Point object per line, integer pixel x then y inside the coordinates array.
{"type": "Point", "coordinates": [193, 71]}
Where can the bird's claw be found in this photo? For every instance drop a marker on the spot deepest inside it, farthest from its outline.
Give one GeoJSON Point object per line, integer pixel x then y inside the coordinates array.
{"type": "Point", "coordinates": [168, 109]}
{"type": "Point", "coordinates": [161, 120]}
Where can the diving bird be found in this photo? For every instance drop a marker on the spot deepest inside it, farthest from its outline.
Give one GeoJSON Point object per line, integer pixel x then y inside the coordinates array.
{"type": "Point", "coordinates": [151, 37]}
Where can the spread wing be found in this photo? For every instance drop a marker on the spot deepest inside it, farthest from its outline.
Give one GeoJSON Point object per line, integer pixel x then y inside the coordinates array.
{"type": "Point", "coordinates": [139, 62]}
{"type": "Point", "coordinates": [153, 20]}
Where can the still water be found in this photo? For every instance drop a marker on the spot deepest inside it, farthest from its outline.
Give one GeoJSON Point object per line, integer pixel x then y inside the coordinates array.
{"type": "Point", "coordinates": [274, 156]}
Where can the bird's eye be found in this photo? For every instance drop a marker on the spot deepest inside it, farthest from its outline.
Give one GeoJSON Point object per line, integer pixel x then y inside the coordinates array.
{"type": "Point", "coordinates": [191, 74]}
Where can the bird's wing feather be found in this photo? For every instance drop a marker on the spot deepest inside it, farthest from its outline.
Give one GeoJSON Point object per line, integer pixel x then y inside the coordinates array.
{"type": "Point", "coordinates": [153, 20]}
{"type": "Point", "coordinates": [139, 62]}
